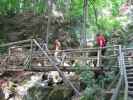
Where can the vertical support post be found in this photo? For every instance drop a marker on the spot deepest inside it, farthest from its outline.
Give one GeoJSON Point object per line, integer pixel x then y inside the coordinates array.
{"type": "Point", "coordinates": [83, 33]}
{"type": "Point", "coordinates": [31, 51]}
{"type": "Point", "coordinates": [98, 57]}
{"type": "Point", "coordinates": [130, 2]}
{"type": "Point", "coordinates": [120, 60]}
{"type": "Point", "coordinates": [49, 20]}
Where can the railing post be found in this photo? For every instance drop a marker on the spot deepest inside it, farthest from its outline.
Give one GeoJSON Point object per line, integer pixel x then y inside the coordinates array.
{"type": "Point", "coordinates": [31, 51]}
{"type": "Point", "coordinates": [125, 78]}
{"type": "Point", "coordinates": [98, 57]}
{"type": "Point", "coordinates": [120, 60]}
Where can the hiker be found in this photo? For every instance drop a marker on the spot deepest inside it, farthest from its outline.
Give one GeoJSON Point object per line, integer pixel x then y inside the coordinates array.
{"type": "Point", "coordinates": [101, 42]}
{"type": "Point", "coordinates": [57, 47]}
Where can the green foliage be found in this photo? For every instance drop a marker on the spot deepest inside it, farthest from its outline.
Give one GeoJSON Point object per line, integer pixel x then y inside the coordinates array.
{"type": "Point", "coordinates": [101, 14]}
{"type": "Point", "coordinates": [107, 24]}
{"type": "Point", "coordinates": [2, 40]}
{"type": "Point", "coordinates": [115, 6]}
{"type": "Point", "coordinates": [48, 93]}
{"type": "Point", "coordinates": [15, 6]}
{"type": "Point", "coordinates": [95, 86]}
{"type": "Point", "coordinates": [93, 93]}
{"type": "Point", "coordinates": [76, 9]}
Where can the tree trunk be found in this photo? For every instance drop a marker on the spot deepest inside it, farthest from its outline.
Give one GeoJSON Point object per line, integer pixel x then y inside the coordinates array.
{"type": "Point", "coordinates": [85, 14]}
{"type": "Point", "coordinates": [50, 2]}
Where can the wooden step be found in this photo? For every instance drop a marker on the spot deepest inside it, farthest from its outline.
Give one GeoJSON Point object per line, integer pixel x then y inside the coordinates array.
{"type": "Point", "coordinates": [130, 78]}
{"type": "Point", "coordinates": [127, 64]}
{"type": "Point", "coordinates": [131, 92]}
{"type": "Point", "coordinates": [129, 74]}
{"type": "Point", "coordinates": [130, 84]}
{"type": "Point", "coordinates": [129, 70]}
{"type": "Point", "coordinates": [129, 67]}
{"type": "Point", "coordinates": [130, 88]}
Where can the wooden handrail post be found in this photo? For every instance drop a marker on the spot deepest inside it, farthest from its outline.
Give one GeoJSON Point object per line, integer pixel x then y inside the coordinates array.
{"type": "Point", "coordinates": [98, 57]}
{"type": "Point", "coordinates": [31, 51]}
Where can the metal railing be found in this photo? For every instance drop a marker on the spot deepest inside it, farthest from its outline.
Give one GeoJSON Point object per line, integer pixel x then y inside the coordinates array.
{"type": "Point", "coordinates": [123, 72]}
{"type": "Point", "coordinates": [123, 76]}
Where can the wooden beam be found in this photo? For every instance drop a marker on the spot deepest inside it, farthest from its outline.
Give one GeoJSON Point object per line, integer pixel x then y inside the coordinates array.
{"type": "Point", "coordinates": [15, 43]}
{"type": "Point", "coordinates": [51, 68]}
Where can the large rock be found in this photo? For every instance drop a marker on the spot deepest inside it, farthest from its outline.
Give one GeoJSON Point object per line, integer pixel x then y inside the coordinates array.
{"type": "Point", "coordinates": [60, 93]}
{"type": "Point", "coordinates": [49, 93]}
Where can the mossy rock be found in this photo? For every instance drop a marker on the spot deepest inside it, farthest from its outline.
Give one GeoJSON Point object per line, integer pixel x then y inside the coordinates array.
{"type": "Point", "coordinates": [38, 93]}
{"type": "Point", "coordinates": [49, 93]}
{"type": "Point", "coordinates": [60, 93]}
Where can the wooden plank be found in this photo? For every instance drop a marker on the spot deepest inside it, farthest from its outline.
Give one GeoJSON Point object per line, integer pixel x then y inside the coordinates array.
{"type": "Point", "coordinates": [15, 43]}
{"type": "Point", "coordinates": [51, 68]}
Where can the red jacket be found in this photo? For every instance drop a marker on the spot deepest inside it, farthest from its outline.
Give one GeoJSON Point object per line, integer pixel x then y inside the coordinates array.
{"type": "Point", "coordinates": [101, 41]}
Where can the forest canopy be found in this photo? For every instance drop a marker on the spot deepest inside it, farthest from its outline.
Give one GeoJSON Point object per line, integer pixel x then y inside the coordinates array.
{"type": "Point", "coordinates": [91, 16]}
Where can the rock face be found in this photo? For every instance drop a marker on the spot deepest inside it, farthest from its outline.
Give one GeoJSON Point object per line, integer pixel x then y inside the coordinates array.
{"type": "Point", "coordinates": [27, 25]}
{"type": "Point", "coordinates": [23, 26]}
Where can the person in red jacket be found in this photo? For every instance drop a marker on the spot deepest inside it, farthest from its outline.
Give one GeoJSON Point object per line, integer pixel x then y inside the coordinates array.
{"type": "Point", "coordinates": [101, 42]}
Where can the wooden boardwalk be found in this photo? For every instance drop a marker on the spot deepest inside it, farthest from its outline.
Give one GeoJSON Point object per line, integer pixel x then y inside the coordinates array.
{"type": "Point", "coordinates": [29, 55]}
{"type": "Point", "coordinates": [26, 55]}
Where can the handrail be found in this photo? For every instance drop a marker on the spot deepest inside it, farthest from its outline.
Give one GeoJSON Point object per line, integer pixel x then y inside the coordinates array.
{"type": "Point", "coordinates": [125, 79]}
{"type": "Point", "coordinates": [18, 42]}
{"type": "Point", "coordinates": [116, 92]}
{"type": "Point", "coordinates": [15, 43]}
{"type": "Point", "coordinates": [123, 76]}
{"type": "Point", "coordinates": [123, 72]}
{"type": "Point", "coordinates": [29, 40]}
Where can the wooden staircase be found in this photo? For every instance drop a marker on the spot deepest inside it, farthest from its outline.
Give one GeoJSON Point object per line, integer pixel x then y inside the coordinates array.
{"type": "Point", "coordinates": [129, 73]}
